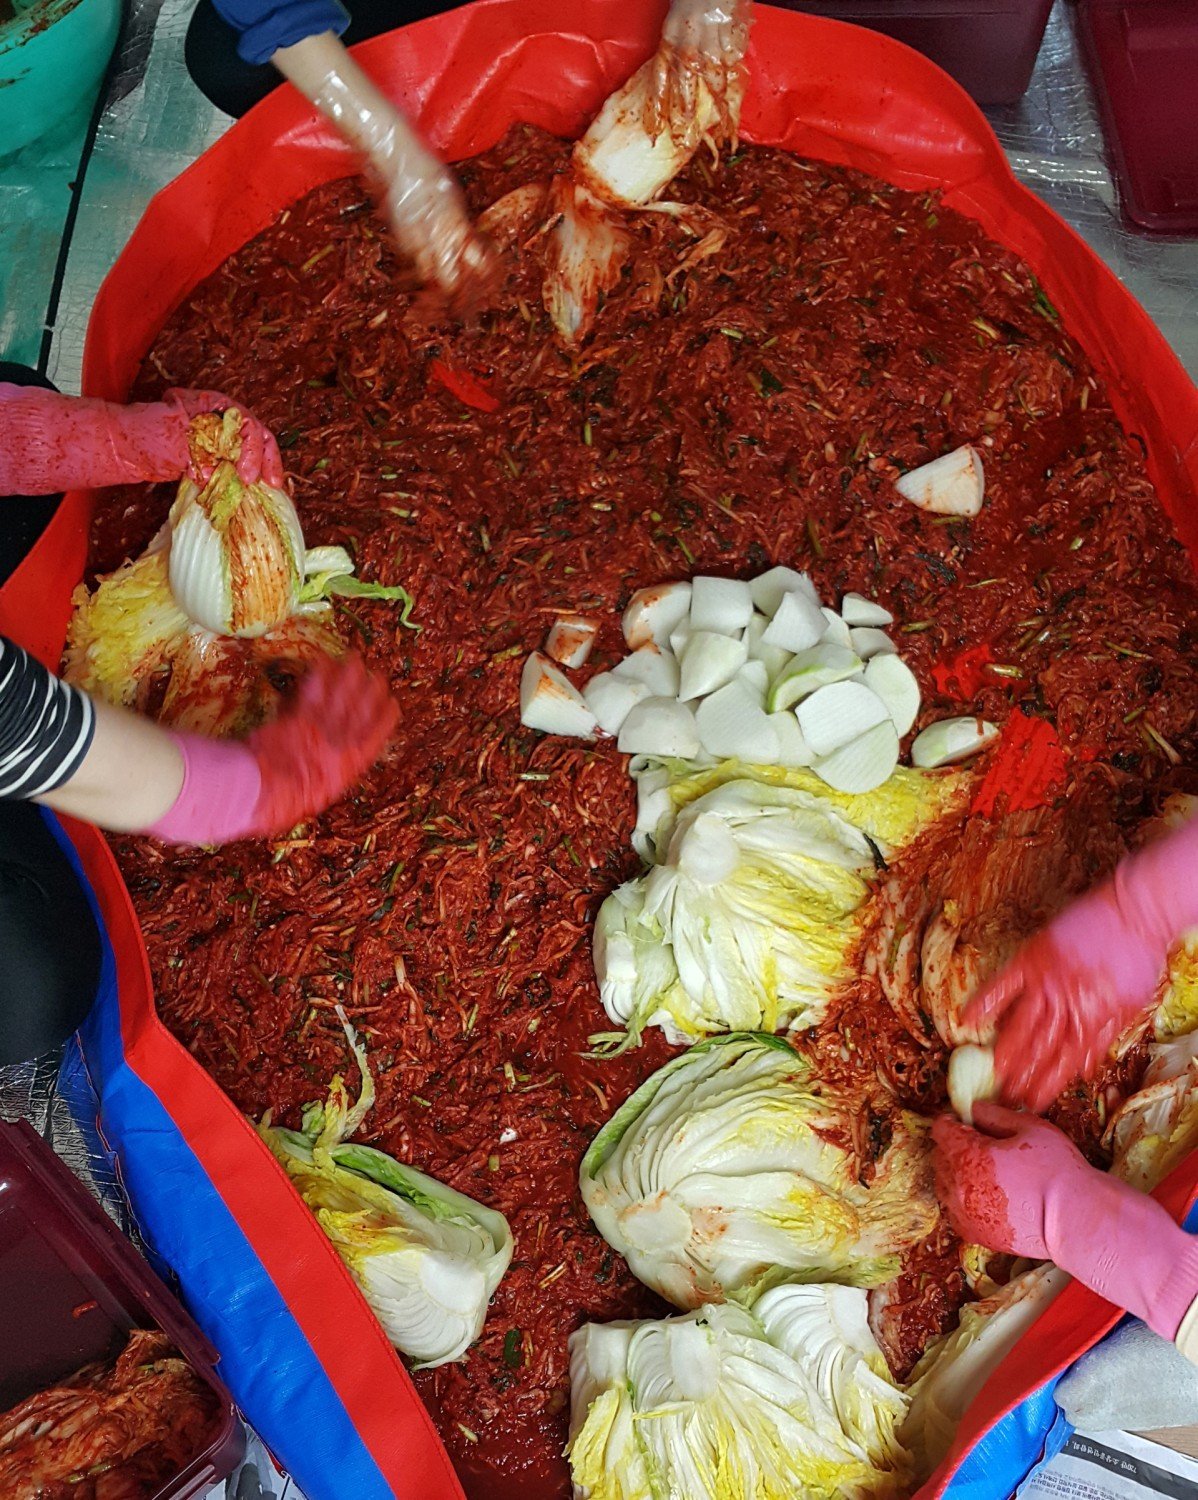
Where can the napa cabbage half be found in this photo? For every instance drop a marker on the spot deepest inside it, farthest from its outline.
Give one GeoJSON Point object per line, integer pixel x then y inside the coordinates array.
{"type": "Point", "coordinates": [426, 1258]}
{"type": "Point", "coordinates": [750, 914]}
{"type": "Point", "coordinates": [729, 1169]}
{"type": "Point", "coordinates": [792, 1399]}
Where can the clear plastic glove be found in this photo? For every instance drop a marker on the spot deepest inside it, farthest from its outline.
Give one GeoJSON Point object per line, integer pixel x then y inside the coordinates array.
{"type": "Point", "coordinates": [287, 771]}
{"type": "Point", "coordinates": [1056, 1008]}
{"type": "Point", "coordinates": [52, 442]}
{"type": "Point", "coordinates": [702, 41]}
{"type": "Point", "coordinates": [421, 196]}
{"type": "Point", "coordinates": [1024, 1188]}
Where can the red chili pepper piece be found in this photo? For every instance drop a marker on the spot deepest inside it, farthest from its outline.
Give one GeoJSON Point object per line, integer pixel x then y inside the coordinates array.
{"type": "Point", "coordinates": [965, 675]}
{"type": "Point", "coordinates": [1026, 770]}
{"type": "Point", "coordinates": [466, 387]}
{"type": "Point", "coordinates": [84, 1307]}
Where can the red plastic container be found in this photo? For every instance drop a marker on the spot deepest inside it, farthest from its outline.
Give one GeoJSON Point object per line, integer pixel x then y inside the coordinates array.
{"type": "Point", "coordinates": [1143, 57]}
{"type": "Point", "coordinates": [71, 1288]}
{"type": "Point", "coordinates": [988, 46]}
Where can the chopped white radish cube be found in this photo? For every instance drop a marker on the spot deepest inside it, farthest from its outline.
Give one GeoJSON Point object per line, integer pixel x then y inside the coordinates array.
{"type": "Point", "coordinates": [773, 658]}
{"type": "Point", "coordinates": [653, 612]}
{"type": "Point", "coordinates": [660, 726]}
{"type": "Point", "coordinates": [611, 699]}
{"type": "Point", "coordinates": [856, 609]}
{"type": "Point", "coordinates": [679, 637]}
{"type": "Point", "coordinates": [867, 641]}
{"type": "Point", "coordinates": [951, 740]}
{"type": "Point", "coordinates": [656, 668]}
{"type": "Point", "coordinates": [709, 661]}
{"type": "Point", "coordinates": [723, 605]}
{"type": "Point", "coordinates": [864, 763]}
{"type": "Point", "coordinates": [952, 485]}
{"type": "Point", "coordinates": [551, 703]}
{"type": "Point", "coordinates": [798, 623]}
{"type": "Point", "coordinates": [771, 588]}
{"type": "Point", "coordinates": [733, 726]}
{"type": "Point", "coordinates": [811, 669]}
{"type": "Point", "coordinates": [755, 677]}
{"type": "Point", "coordinates": [837, 714]}
{"type": "Point", "coordinates": [894, 682]}
{"type": "Point", "coordinates": [836, 632]}
{"type": "Point", "coordinates": [570, 639]}
{"type": "Point", "coordinates": [793, 749]}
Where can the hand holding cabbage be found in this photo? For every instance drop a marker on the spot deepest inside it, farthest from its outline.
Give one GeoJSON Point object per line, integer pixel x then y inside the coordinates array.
{"type": "Point", "coordinates": [54, 442]}
{"type": "Point", "coordinates": [1022, 1186]}
{"type": "Point", "coordinates": [1065, 997]}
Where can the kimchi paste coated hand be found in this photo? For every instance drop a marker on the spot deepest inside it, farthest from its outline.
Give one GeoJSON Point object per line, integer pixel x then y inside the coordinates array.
{"type": "Point", "coordinates": [420, 195]}
{"type": "Point", "coordinates": [1024, 1188]}
{"type": "Point", "coordinates": [1057, 1007]}
{"type": "Point", "coordinates": [701, 39]}
{"type": "Point", "coordinates": [287, 771]}
{"type": "Point", "coordinates": [52, 442]}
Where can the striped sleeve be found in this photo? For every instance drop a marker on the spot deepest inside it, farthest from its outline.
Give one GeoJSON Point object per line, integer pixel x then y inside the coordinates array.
{"type": "Point", "coordinates": [46, 726]}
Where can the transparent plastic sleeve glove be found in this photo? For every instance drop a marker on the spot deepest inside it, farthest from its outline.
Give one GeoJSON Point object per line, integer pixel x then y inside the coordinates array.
{"type": "Point", "coordinates": [715, 28]}
{"type": "Point", "coordinates": [1019, 1185]}
{"type": "Point", "coordinates": [703, 43]}
{"type": "Point", "coordinates": [1056, 1008]}
{"type": "Point", "coordinates": [287, 771]}
{"type": "Point", "coordinates": [50, 442]}
{"type": "Point", "coordinates": [420, 195]}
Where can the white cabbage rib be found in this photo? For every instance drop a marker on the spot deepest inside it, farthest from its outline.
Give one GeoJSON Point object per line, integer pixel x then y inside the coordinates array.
{"type": "Point", "coordinates": [722, 1171]}
{"type": "Point", "coordinates": [954, 1368]}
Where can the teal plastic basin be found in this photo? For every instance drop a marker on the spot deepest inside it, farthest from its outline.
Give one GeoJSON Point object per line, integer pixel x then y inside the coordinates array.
{"type": "Point", "coordinates": [52, 57]}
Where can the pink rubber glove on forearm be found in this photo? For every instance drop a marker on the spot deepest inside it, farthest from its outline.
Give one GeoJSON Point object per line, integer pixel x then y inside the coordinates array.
{"type": "Point", "coordinates": [287, 771]}
{"type": "Point", "coordinates": [1024, 1188]}
{"type": "Point", "coordinates": [1067, 994]}
{"type": "Point", "coordinates": [50, 442]}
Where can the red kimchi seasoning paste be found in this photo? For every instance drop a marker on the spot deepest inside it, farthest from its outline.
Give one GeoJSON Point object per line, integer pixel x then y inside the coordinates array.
{"type": "Point", "coordinates": [748, 396]}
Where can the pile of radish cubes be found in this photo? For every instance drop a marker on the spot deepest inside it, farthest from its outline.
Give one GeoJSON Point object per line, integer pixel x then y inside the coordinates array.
{"type": "Point", "coordinates": [761, 672]}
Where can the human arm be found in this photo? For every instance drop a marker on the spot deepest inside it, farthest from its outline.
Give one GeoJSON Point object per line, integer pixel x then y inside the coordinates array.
{"type": "Point", "coordinates": [700, 40]}
{"type": "Point", "coordinates": [109, 766]}
{"type": "Point", "coordinates": [50, 442]}
{"type": "Point", "coordinates": [1055, 1009]}
{"type": "Point", "coordinates": [420, 196]}
{"type": "Point", "coordinates": [1019, 1185]}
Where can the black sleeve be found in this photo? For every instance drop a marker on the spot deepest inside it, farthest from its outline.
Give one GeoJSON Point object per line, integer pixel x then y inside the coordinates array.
{"type": "Point", "coordinates": [46, 726]}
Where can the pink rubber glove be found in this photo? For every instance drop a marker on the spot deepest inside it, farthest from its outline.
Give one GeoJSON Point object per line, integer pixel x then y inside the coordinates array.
{"type": "Point", "coordinates": [287, 771]}
{"type": "Point", "coordinates": [50, 442]}
{"type": "Point", "coordinates": [1068, 993]}
{"type": "Point", "coordinates": [1024, 1188]}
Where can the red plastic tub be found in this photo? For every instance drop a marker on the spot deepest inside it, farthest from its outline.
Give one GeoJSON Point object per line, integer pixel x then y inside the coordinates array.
{"type": "Point", "coordinates": [989, 46]}
{"type": "Point", "coordinates": [71, 1288]}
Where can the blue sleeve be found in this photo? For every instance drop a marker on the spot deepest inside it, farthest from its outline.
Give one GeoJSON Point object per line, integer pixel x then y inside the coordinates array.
{"type": "Point", "coordinates": [267, 25]}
